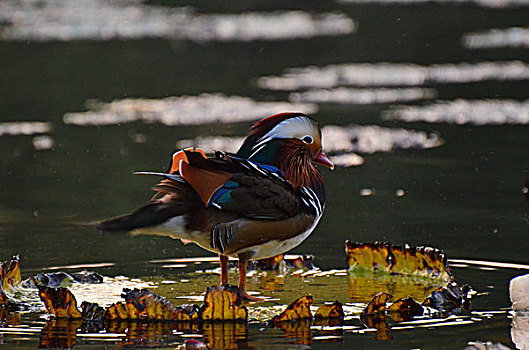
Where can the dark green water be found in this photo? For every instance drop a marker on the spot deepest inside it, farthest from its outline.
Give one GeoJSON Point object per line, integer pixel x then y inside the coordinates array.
{"type": "Point", "coordinates": [464, 197]}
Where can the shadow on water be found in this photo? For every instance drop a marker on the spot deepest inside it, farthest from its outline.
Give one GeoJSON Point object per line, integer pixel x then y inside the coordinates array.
{"type": "Point", "coordinates": [423, 105]}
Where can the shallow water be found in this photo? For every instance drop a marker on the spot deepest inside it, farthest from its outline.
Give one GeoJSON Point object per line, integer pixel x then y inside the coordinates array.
{"type": "Point", "coordinates": [462, 194]}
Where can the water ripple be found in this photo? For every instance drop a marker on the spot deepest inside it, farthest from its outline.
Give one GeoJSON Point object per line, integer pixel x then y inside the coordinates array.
{"type": "Point", "coordinates": [393, 74]}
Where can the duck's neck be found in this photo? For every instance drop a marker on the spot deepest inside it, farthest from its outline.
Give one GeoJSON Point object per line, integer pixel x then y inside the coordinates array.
{"type": "Point", "coordinates": [294, 160]}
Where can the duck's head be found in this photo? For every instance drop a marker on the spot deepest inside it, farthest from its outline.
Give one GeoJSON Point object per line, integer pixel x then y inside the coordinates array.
{"type": "Point", "coordinates": [284, 135]}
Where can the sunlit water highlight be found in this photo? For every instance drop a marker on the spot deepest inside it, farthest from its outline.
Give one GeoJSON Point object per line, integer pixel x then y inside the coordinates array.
{"type": "Point", "coordinates": [393, 74]}
{"type": "Point", "coordinates": [515, 37]}
{"type": "Point", "coordinates": [182, 110]}
{"type": "Point", "coordinates": [67, 20]}
{"type": "Point", "coordinates": [460, 111]}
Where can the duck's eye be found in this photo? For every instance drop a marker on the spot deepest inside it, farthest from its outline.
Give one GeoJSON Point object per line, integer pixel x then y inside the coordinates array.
{"type": "Point", "coordinates": [307, 139]}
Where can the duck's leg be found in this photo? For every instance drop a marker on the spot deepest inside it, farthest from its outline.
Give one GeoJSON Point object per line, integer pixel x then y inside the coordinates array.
{"type": "Point", "coordinates": [223, 270]}
{"type": "Point", "coordinates": [243, 260]}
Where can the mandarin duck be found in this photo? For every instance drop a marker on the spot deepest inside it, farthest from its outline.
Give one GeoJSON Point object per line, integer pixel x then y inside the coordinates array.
{"type": "Point", "coordinates": [257, 203]}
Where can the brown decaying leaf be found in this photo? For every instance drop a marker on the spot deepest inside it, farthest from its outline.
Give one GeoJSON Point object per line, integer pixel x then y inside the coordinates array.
{"type": "Point", "coordinates": [449, 298]}
{"type": "Point", "coordinates": [298, 310]}
{"type": "Point", "coordinates": [59, 302]}
{"type": "Point", "coordinates": [223, 303]}
{"type": "Point", "coordinates": [420, 261]}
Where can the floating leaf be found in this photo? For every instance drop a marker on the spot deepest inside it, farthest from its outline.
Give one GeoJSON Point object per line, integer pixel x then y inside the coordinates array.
{"type": "Point", "coordinates": [146, 305]}
{"type": "Point", "coordinates": [329, 314]}
{"type": "Point", "coordinates": [377, 304]}
{"type": "Point", "coordinates": [10, 275]}
{"type": "Point", "coordinates": [405, 309]}
{"type": "Point", "coordinates": [92, 311]}
{"type": "Point", "coordinates": [334, 310]}
{"type": "Point", "coordinates": [223, 303]}
{"type": "Point", "coordinates": [59, 302]}
{"type": "Point", "coordinates": [298, 310]}
{"type": "Point", "coordinates": [383, 257]}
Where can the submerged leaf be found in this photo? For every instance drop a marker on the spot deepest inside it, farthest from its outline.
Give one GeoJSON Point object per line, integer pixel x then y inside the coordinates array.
{"type": "Point", "coordinates": [223, 303]}
{"type": "Point", "coordinates": [298, 310]}
{"type": "Point", "coordinates": [383, 257]}
{"type": "Point", "coordinates": [59, 302]}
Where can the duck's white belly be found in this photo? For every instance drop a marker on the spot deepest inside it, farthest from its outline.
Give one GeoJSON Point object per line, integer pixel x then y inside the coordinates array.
{"type": "Point", "coordinates": [175, 228]}
{"type": "Point", "coordinates": [274, 247]}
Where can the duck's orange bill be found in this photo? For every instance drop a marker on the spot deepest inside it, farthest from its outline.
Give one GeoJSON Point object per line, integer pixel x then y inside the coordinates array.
{"type": "Point", "coordinates": [322, 159]}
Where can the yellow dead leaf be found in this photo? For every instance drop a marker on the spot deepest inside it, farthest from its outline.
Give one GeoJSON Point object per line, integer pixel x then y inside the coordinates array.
{"type": "Point", "coordinates": [10, 275]}
{"type": "Point", "coordinates": [222, 303]}
{"type": "Point", "coordinates": [334, 310]}
{"type": "Point", "coordinates": [383, 257]}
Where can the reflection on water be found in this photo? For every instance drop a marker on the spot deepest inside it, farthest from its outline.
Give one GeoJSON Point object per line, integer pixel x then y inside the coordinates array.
{"type": "Point", "coordinates": [497, 38]}
{"type": "Point", "coordinates": [477, 112]}
{"type": "Point", "coordinates": [68, 20]}
{"type": "Point", "coordinates": [393, 74]}
{"type": "Point", "coordinates": [183, 110]}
